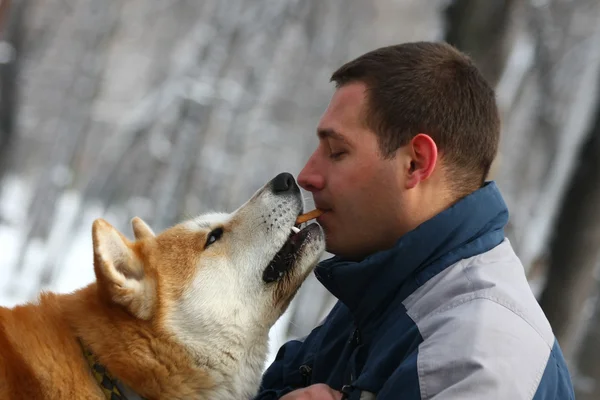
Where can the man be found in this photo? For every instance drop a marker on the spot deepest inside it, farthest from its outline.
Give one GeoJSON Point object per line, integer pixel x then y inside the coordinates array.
{"type": "Point", "coordinates": [433, 302]}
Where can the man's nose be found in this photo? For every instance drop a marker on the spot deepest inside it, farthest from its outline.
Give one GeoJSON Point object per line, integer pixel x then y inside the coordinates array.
{"type": "Point", "coordinates": [284, 183]}
{"type": "Point", "coordinates": [310, 178]}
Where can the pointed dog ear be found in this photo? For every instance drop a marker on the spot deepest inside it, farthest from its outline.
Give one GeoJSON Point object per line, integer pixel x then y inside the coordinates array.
{"type": "Point", "coordinates": [120, 271]}
{"type": "Point", "coordinates": [141, 230]}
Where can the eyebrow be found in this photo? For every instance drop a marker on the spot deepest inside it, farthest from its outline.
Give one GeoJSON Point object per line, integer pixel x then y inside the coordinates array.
{"type": "Point", "coordinates": [330, 133]}
{"type": "Point", "coordinates": [203, 224]}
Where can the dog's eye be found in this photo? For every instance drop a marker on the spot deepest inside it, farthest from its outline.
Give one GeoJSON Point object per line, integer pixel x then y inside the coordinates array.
{"type": "Point", "coordinates": [213, 236]}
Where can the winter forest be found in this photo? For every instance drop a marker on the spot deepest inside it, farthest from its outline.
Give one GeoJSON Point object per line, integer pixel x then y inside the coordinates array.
{"type": "Point", "coordinates": [167, 109]}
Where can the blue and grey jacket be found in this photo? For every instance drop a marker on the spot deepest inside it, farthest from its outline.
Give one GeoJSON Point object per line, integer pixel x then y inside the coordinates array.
{"type": "Point", "coordinates": [446, 313]}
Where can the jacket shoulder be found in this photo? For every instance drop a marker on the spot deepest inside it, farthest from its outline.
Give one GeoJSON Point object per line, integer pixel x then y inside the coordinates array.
{"type": "Point", "coordinates": [481, 328]}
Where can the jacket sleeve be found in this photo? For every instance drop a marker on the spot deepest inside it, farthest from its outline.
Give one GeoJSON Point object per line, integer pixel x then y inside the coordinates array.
{"type": "Point", "coordinates": [274, 383]}
{"type": "Point", "coordinates": [473, 381]}
{"type": "Point", "coordinates": [284, 374]}
{"type": "Point", "coordinates": [503, 357]}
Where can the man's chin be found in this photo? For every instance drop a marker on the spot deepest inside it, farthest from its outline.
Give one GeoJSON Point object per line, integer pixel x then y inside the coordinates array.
{"type": "Point", "coordinates": [340, 251]}
{"type": "Point", "coordinates": [335, 244]}
{"type": "Point", "coordinates": [338, 247]}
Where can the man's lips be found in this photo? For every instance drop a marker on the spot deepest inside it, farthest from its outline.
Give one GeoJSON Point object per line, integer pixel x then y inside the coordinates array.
{"type": "Point", "coordinates": [322, 207]}
{"type": "Point", "coordinates": [325, 212]}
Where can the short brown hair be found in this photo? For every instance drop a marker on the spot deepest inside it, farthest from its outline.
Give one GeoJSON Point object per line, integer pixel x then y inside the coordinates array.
{"type": "Point", "coordinates": [431, 88]}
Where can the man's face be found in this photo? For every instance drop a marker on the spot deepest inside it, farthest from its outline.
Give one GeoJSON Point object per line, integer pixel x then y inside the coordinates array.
{"type": "Point", "coordinates": [362, 193]}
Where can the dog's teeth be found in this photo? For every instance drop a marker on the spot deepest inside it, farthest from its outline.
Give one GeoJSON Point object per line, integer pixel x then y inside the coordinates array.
{"type": "Point", "coordinates": [295, 230]}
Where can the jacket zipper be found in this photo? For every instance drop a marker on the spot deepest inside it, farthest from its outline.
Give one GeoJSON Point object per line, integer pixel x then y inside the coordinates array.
{"type": "Point", "coordinates": [306, 372]}
{"type": "Point", "coordinates": [347, 391]}
{"type": "Point", "coordinates": [354, 341]}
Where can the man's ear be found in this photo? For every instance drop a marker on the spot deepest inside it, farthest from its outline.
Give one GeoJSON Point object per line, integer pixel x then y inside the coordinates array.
{"type": "Point", "coordinates": [141, 230]}
{"type": "Point", "coordinates": [423, 158]}
{"type": "Point", "coordinates": [120, 271]}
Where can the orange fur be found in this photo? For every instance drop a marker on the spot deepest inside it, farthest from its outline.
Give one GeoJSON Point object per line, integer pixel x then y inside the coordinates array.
{"type": "Point", "coordinates": [41, 358]}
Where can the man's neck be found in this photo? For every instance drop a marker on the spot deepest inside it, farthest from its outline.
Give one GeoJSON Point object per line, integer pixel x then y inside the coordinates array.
{"type": "Point", "coordinates": [429, 201]}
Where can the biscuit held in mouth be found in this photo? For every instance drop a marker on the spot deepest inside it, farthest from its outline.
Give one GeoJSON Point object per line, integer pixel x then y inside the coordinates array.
{"type": "Point", "coordinates": [308, 216]}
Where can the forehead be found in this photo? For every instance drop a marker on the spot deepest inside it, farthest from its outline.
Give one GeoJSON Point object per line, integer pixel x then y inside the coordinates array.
{"type": "Point", "coordinates": [176, 251]}
{"type": "Point", "coordinates": [206, 222]}
{"type": "Point", "coordinates": [346, 109]}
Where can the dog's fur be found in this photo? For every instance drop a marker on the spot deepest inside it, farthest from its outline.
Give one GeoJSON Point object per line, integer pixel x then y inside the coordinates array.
{"type": "Point", "coordinates": [167, 316]}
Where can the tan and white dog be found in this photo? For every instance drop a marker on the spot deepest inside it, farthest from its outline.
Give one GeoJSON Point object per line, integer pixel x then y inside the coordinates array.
{"type": "Point", "coordinates": [180, 315]}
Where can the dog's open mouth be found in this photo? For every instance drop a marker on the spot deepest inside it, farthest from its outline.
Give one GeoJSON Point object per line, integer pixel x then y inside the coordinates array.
{"type": "Point", "coordinates": [289, 253]}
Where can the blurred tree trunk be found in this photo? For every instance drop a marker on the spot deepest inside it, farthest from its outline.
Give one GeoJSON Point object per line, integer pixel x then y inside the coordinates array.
{"type": "Point", "coordinates": [548, 117]}
{"type": "Point", "coordinates": [570, 295]}
{"type": "Point", "coordinates": [11, 35]}
{"type": "Point", "coordinates": [586, 369]}
{"type": "Point", "coordinates": [484, 30]}
{"type": "Point", "coordinates": [574, 249]}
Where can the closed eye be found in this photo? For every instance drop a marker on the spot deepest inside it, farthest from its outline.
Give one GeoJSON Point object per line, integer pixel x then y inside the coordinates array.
{"type": "Point", "coordinates": [337, 155]}
{"type": "Point", "coordinates": [213, 236]}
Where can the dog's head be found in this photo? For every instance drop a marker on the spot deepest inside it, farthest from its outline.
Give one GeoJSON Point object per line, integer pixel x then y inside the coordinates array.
{"type": "Point", "coordinates": [215, 271]}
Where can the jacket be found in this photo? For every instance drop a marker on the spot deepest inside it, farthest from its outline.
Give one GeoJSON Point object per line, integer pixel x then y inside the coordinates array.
{"type": "Point", "coordinates": [446, 313]}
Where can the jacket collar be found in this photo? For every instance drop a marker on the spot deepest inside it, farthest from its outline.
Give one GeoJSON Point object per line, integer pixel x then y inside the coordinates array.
{"type": "Point", "coordinates": [471, 226]}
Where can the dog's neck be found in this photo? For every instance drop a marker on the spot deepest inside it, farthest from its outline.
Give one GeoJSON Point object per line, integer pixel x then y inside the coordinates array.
{"type": "Point", "coordinates": [153, 364]}
{"type": "Point", "coordinates": [111, 387]}
{"type": "Point", "coordinates": [133, 351]}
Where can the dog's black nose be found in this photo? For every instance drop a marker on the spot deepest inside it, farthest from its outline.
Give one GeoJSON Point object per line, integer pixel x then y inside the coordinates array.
{"type": "Point", "coordinates": [284, 183]}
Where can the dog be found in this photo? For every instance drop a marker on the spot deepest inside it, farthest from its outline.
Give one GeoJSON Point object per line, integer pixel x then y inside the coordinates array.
{"type": "Point", "coordinates": [184, 314]}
